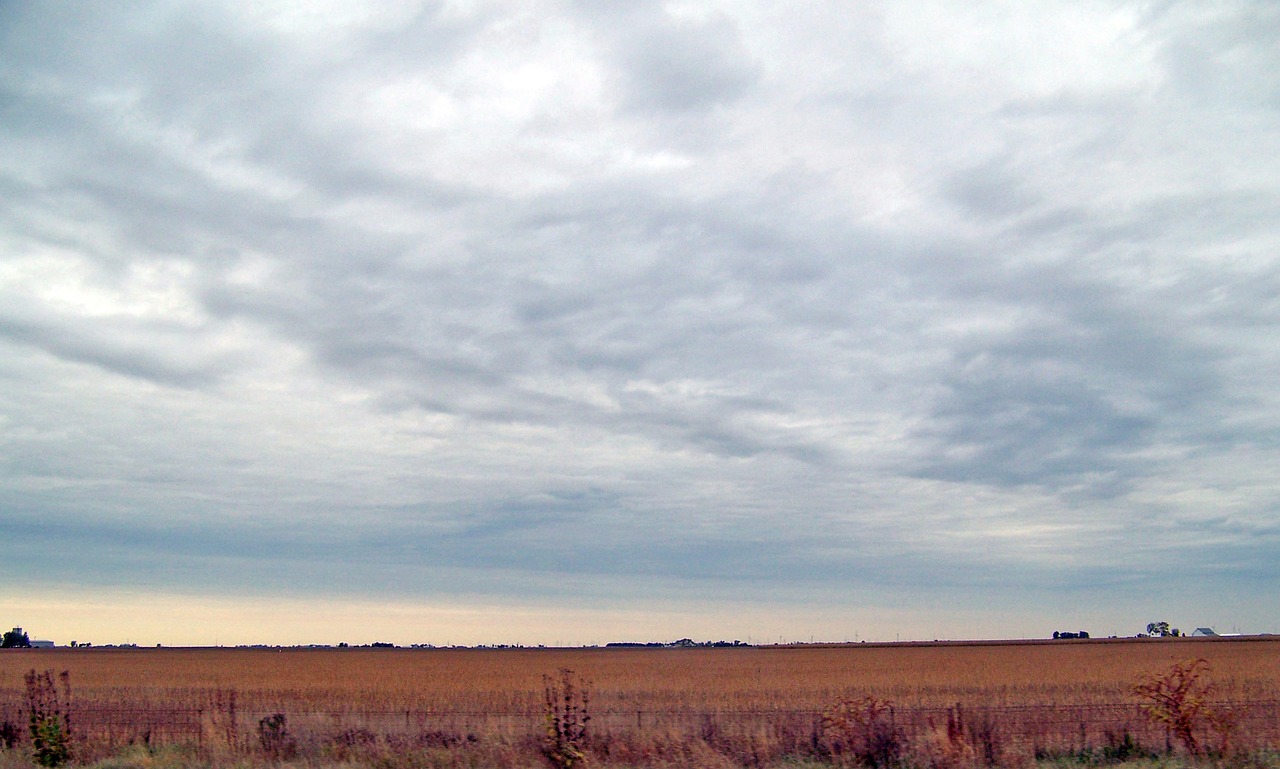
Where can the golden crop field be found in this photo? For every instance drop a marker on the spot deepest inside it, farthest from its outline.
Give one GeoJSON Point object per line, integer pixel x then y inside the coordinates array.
{"type": "Point", "coordinates": [783, 677]}
{"type": "Point", "coordinates": [1050, 695]}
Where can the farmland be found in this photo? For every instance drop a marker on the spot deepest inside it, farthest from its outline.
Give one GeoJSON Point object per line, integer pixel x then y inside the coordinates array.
{"type": "Point", "coordinates": [975, 703]}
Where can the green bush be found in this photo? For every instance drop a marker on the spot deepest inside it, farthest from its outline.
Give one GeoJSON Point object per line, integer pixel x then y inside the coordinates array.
{"type": "Point", "coordinates": [50, 741]}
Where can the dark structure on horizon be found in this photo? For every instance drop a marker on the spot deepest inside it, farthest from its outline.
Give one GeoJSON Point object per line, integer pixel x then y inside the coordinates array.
{"type": "Point", "coordinates": [16, 639]}
{"type": "Point", "coordinates": [683, 643]}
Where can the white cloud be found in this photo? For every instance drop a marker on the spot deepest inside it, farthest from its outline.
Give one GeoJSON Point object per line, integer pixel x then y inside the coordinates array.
{"type": "Point", "coordinates": [762, 300]}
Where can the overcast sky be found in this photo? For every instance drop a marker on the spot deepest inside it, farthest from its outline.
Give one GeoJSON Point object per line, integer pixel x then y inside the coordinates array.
{"type": "Point", "coordinates": [574, 322]}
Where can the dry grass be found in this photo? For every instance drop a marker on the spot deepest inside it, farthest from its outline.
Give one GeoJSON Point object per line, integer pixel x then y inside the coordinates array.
{"type": "Point", "coordinates": [649, 706]}
{"type": "Point", "coordinates": [804, 677]}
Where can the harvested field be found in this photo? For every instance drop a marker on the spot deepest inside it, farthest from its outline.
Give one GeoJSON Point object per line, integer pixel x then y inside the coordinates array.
{"type": "Point", "coordinates": [1029, 698]}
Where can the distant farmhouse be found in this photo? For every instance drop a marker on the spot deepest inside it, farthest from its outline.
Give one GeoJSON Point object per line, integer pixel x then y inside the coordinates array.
{"type": "Point", "coordinates": [17, 638]}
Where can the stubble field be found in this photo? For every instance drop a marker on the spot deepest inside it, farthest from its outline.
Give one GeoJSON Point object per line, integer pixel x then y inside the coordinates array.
{"type": "Point", "coordinates": [954, 704]}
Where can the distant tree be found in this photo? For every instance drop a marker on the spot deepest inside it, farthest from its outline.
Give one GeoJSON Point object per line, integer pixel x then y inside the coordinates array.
{"type": "Point", "coordinates": [1160, 629]}
{"type": "Point", "coordinates": [15, 639]}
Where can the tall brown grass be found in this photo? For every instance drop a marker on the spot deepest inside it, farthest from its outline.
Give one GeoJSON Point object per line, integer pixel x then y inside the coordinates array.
{"type": "Point", "coordinates": [974, 703]}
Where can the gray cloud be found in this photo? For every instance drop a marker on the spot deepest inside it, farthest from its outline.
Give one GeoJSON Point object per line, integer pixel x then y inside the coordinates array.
{"type": "Point", "coordinates": [680, 65]}
{"type": "Point", "coordinates": [764, 301]}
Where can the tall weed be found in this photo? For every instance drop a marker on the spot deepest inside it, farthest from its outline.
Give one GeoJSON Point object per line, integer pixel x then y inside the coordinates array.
{"type": "Point", "coordinates": [50, 719]}
{"type": "Point", "coordinates": [1179, 699]}
{"type": "Point", "coordinates": [565, 699]}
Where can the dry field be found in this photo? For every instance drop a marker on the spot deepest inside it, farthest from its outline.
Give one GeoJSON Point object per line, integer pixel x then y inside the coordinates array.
{"type": "Point", "coordinates": [750, 704]}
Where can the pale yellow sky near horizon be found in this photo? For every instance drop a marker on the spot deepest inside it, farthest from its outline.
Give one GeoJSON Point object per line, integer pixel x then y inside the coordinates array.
{"type": "Point", "coordinates": [113, 616]}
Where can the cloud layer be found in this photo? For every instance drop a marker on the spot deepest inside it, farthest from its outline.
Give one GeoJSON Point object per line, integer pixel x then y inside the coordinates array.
{"type": "Point", "coordinates": [637, 305]}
